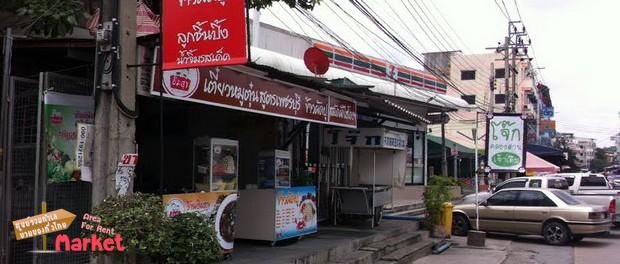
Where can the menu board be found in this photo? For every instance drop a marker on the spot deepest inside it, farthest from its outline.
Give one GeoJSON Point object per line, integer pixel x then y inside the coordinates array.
{"type": "Point", "coordinates": [296, 212]}
{"type": "Point", "coordinates": [224, 161]}
{"type": "Point", "coordinates": [217, 208]}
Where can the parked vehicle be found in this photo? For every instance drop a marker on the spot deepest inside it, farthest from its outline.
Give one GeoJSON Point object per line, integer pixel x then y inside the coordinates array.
{"type": "Point", "coordinates": [553, 214]}
{"type": "Point", "coordinates": [614, 181]}
{"type": "Point", "coordinates": [593, 189]}
{"type": "Point", "coordinates": [585, 182]}
{"type": "Point", "coordinates": [521, 182]}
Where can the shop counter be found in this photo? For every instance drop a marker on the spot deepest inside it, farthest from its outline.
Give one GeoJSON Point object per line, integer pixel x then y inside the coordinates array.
{"type": "Point", "coordinates": [276, 214]}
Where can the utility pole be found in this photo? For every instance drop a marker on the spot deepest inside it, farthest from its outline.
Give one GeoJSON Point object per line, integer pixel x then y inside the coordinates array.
{"type": "Point", "coordinates": [507, 73]}
{"type": "Point", "coordinates": [492, 88]}
{"type": "Point", "coordinates": [444, 159]}
{"type": "Point", "coordinates": [512, 49]}
{"type": "Point", "coordinates": [114, 119]}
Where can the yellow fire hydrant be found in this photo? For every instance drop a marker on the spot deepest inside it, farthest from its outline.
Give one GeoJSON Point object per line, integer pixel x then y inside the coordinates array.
{"type": "Point", "coordinates": [446, 218]}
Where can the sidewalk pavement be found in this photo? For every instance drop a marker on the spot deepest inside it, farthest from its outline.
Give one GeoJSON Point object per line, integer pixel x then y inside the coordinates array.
{"type": "Point", "coordinates": [495, 252]}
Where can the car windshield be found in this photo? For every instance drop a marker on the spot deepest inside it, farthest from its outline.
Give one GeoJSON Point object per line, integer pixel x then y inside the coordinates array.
{"type": "Point", "coordinates": [565, 197]}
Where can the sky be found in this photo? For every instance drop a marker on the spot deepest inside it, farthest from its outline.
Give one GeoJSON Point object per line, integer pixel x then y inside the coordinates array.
{"type": "Point", "coordinates": [573, 40]}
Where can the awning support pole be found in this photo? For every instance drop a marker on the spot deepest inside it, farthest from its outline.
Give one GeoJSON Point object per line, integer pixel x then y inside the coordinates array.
{"type": "Point", "coordinates": [374, 177]}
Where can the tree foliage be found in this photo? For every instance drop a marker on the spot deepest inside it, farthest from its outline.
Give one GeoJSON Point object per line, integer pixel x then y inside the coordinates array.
{"type": "Point", "coordinates": [52, 18]}
{"type": "Point", "coordinates": [599, 162]}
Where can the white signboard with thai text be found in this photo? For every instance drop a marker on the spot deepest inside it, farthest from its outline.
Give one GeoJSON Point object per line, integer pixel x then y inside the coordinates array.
{"type": "Point", "coordinates": [505, 142]}
{"type": "Point", "coordinates": [366, 138]}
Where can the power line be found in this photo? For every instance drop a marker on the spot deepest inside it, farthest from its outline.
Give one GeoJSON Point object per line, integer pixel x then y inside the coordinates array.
{"type": "Point", "coordinates": [502, 10]}
{"type": "Point", "coordinates": [507, 13]}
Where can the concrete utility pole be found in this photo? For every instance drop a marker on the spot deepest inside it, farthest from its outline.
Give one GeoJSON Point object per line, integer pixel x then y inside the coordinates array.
{"type": "Point", "coordinates": [444, 158]}
{"type": "Point", "coordinates": [114, 120]}
{"type": "Point", "coordinates": [512, 49]}
{"type": "Point", "coordinates": [507, 73]}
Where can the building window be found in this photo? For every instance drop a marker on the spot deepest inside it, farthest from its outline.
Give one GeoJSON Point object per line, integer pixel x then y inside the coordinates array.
{"type": "Point", "coordinates": [500, 98]}
{"type": "Point", "coordinates": [470, 99]}
{"type": "Point", "coordinates": [468, 75]}
{"type": "Point", "coordinates": [500, 73]}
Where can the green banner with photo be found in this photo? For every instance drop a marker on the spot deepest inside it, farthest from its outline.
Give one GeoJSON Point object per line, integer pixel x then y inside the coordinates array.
{"type": "Point", "coordinates": [62, 113]}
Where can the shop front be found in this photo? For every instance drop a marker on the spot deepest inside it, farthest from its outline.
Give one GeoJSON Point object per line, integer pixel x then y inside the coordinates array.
{"type": "Point", "coordinates": [378, 163]}
{"type": "Point", "coordinates": [235, 146]}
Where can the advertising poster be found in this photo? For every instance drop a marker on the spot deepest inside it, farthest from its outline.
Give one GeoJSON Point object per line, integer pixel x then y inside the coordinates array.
{"type": "Point", "coordinates": [505, 138]}
{"type": "Point", "coordinates": [217, 208]}
{"type": "Point", "coordinates": [204, 33]}
{"type": "Point", "coordinates": [224, 161]}
{"type": "Point", "coordinates": [62, 113]}
{"type": "Point", "coordinates": [296, 212]}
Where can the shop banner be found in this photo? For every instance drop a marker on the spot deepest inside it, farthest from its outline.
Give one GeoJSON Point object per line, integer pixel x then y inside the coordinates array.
{"type": "Point", "coordinates": [236, 90]}
{"type": "Point", "coordinates": [296, 212]}
{"type": "Point", "coordinates": [217, 208]}
{"type": "Point", "coordinates": [203, 33]}
{"type": "Point", "coordinates": [366, 138]}
{"type": "Point", "coordinates": [506, 134]}
{"type": "Point", "coordinates": [342, 112]}
{"type": "Point", "coordinates": [62, 113]}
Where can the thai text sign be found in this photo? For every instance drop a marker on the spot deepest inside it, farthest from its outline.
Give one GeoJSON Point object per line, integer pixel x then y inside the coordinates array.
{"type": "Point", "coordinates": [231, 89]}
{"type": "Point", "coordinates": [296, 212]}
{"type": "Point", "coordinates": [42, 224]}
{"type": "Point", "coordinates": [199, 33]}
{"type": "Point", "coordinates": [366, 138]}
{"type": "Point", "coordinates": [505, 137]}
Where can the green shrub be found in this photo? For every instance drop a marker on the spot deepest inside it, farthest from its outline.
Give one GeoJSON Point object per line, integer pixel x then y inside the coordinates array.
{"type": "Point", "coordinates": [141, 222]}
{"type": "Point", "coordinates": [147, 231]}
{"type": "Point", "coordinates": [194, 240]}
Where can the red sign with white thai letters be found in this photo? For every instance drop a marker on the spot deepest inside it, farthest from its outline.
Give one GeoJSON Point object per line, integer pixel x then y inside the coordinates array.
{"type": "Point", "coordinates": [203, 33]}
{"type": "Point", "coordinates": [236, 90]}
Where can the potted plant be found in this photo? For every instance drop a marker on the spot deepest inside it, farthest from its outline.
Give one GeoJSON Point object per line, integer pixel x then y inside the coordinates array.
{"type": "Point", "coordinates": [438, 191]}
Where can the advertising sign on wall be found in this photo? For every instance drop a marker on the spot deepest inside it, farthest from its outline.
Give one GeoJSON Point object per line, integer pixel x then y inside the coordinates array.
{"type": "Point", "coordinates": [218, 208]}
{"type": "Point", "coordinates": [296, 212]}
{"type": "Point", "coordinates": [236, 90]}
{"type": "Point", "coordinates": [366, 138]}
{"type": "Point", "coordinates": [505, 142]}
{"type": "Point", "coordinates": [62, 113]}
{"type": "Point", "coordinates": [203, 33]}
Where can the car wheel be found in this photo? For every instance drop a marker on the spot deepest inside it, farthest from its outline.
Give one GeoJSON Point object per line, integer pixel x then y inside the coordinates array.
{"type": "Point", "coordinates": [556, 233]}
{"type": "Point", "coordinates": [460, 225]}
{"type": "Point", "coordinates": [577, 238]}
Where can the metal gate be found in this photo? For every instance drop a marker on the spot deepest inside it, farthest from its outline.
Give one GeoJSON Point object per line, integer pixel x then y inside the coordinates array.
{"type": "Point", "coordinates": [25, 178]}
{"type": "Point", "coordinates": [23, 136]}
{"type": "Point", "coordinates": [335, 170]}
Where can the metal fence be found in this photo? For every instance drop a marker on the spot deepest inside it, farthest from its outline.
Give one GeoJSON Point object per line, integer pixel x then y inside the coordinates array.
{"type": "Point", "coordinates": [21, 177]}
{"type": "Point", "coordinates": [27, 186]}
